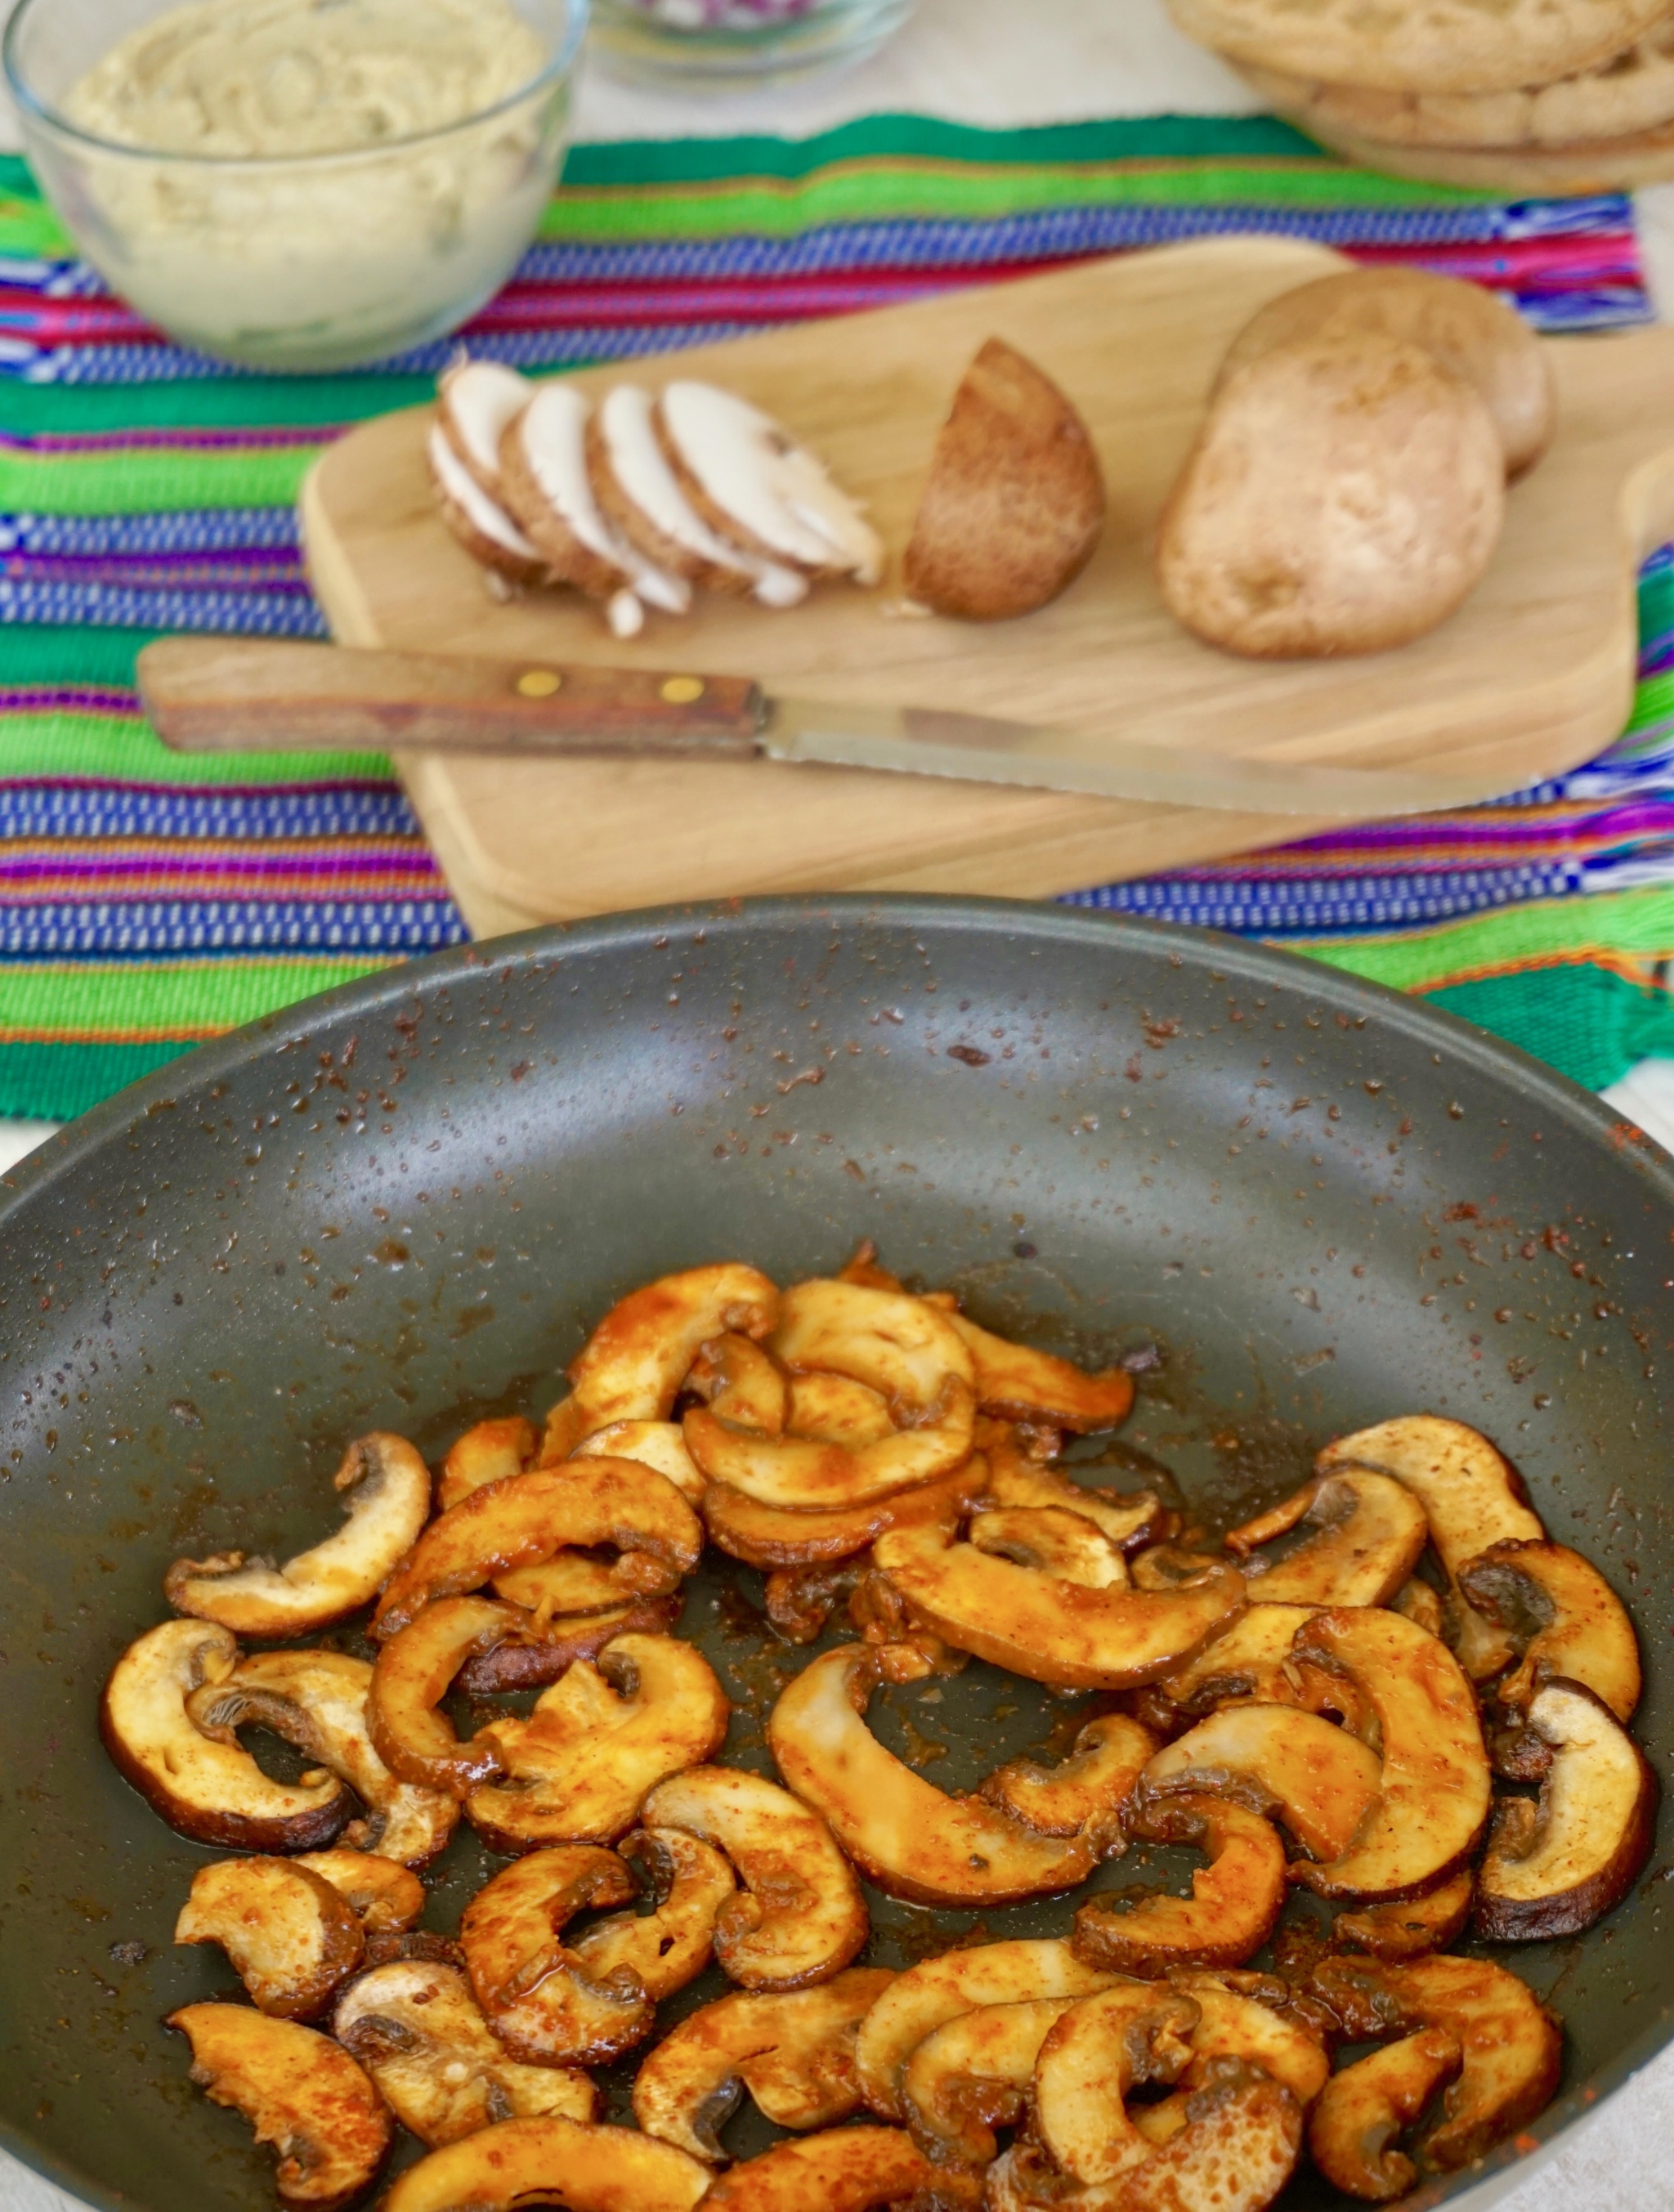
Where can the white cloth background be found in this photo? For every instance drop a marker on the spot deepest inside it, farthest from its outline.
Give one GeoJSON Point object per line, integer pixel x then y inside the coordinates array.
{"type": "Point", "coordinates": [1014, 62]}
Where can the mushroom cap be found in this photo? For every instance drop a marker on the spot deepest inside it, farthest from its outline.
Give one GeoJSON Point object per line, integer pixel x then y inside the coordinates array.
{"type": "Point", "coordinates": [554, 2162]}
{"type": "Point", "coordinates": [1370, 1530]}
{"type": "Point", "coordinates": [1317, 1779]}
{"type": "Point", "coordinates": [840, 2170]}
{"type": "Point", "coordinates": [1231, 1912]}
{"type": "Point", "coordinates": [1563, 1617]}
{"type": "Point", "coordinates": [292, 1938]}
{"type": "Point", "coordinates": [538, 1997]}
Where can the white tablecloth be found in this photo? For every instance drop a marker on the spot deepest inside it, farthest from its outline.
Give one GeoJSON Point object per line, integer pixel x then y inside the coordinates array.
{"type": "Point", "coordinates": [1014, 62]}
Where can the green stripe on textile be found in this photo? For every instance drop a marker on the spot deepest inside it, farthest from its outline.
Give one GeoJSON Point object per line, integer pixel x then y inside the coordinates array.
{"type": "Point", "coordinates": [55, 1082]}
{"type": "Point", "coordinates": [134, 1002]}
{"type": "Point", "coordinates": [82, 410]}
{"type": "Point", "coordinates": [138, 480]}
{"type": "Point", "coordinates": [118, 749]}
{"type": "Point", "coordinates": [1639, 925]}
{"type": "Point", "coordinates": [1588, 1022]}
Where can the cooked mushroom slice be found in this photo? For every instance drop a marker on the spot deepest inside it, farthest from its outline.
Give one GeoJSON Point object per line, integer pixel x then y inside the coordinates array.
{"type": "Point", "coordinates": [1131, 1519]}
{"type": "Point", "coordinates": [917, 2002]}
{"type": "Point", "coordinates": [412, 1677]}
{"type": "Point", "coordinates": [1471, 1499]}
{"type": "Point", "coordinates": [1563, 1619]}
{"type": "Point", "coordinates": [799, 1475]}
{"type": "Point", "coordinates": [835, 1409]}
{"type": "Point", "coordinates": [526, 1518]}
{"type": "Point", "coordinates": [1235, 1900]}
{"type": "Point", "coordinates": [416, 2028]}
{"type": "Point", "coordinates": [1100, 2047]}
{"type": "Point", "coordinates": [801, 1916]}
{"type": "Point", "coordinates": [531, 1657]}
{"type": "Point", "coordinates": [1292, 1766]}
{"type": "Point", "coordinates": [299, 2092]}
{"type": "Point", "coordinates": [1037, 1624]}
{"type": "Point", "coordinates": [655, 1443]}
{"type": "Point", "coordinates": [538, 1997]}
{"type": "Point", "coordinates": [1412, 1927]}
{"type": "Point", "coordinates": [550, 2160]}
{"type": "Point", "coordinates": [793, 2051]}
{"type": "Point", "coordinates": [385, 1898]}
{"type": "Point", "coordinates": [842, 2170]}
{"type": "Point", "coordinates": [578, 1768]}
{"type": "Point", "coordinates": [1434, 1787]}
{"type": "Point", "coordinates": [689, 1883]}
{"type": "Point", "coordinates": [741, 1384]}
{"type": "Point", "coordinates": [1017, 1385]}
{"type": "Point", "coordinates": [292, 1941]}
{"type": "Point", "coordinates": [772, 1537]}
{"type": "Point", "coordinates": [1053, 1541]}
{"type": "Point", "coordinates": [1370, 1532]}
{"type": "Point", "coordinates": [1250, 1657]}
{"type": "Point", "coordinates": [212, 1791]}
{"type": "Point", "coordinates": [317, 1700]}
{"type": "Point", "coordinates": [1365, 2107]}
{"type": "Point", "coordinates": [1553, 1868]}
{"type": "Point", "coordinates": [904, 1835]}
{"type": "Point", "coordinates": [903, 1347]}
{"type": "Point", "coordinates": [971, 2075]}
{"type": "Point", "coordinates": [1233, 2025]}
{"type": "Point", "coordinates": [485, 1453]}
{"type": "Point", "coordinates": [632, 1366]}
{"type": "Point", "coordinates": [389, 1503]}
{"type": "Point", "coordinates": [1513, 2048]}
{"type": "Point", "coordinates": [1093, 1782]}
{"type": "Point", "coordinates": [1420, 1604]}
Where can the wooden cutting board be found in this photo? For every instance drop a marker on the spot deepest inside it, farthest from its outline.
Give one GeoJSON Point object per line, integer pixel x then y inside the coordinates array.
{"type": "Point", "coordinates": [1533, 676]}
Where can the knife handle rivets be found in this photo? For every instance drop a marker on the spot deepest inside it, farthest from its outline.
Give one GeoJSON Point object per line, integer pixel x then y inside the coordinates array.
{"type": "Point", "coordinates": [681, 691]}
{"type": "Point", "coordinates": [538, 684]}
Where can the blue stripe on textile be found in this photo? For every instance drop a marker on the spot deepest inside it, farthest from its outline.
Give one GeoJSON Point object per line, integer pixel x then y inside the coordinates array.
{"type": "Point", "coordinates": [207, 530]}
{"type": "Point", "coordinates": [156, 928]}
{"type": "Point", "coordinates": [252, 614]}
{"type": "Point", "coordinates": [143, 811]}
{"type": "Point", "coordinates": [1324, 906]}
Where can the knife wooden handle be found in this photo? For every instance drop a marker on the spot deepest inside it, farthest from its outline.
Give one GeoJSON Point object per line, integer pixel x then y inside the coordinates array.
{"type": "Point", "coordinates": [217, 694]}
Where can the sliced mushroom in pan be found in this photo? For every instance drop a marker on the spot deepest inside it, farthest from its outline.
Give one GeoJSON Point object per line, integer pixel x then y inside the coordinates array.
{"type": "Point", "coordinates": [385, 1898]}
{"type": "Point", "coordinates": [842, 2170]}
{"type": "Point", "coordinates": [1016, 1383]}
{"type": "Point", "coordinates": [1235, 1900]}
{"type": "Point", "coordinates": [292, 1938]}
{"type": "Point", "coordinates": [1052, 1540]}
{"type": "Point", "coordinates": [413, 1672]}
{"type": "Point", "coordinates": [655, 1443]}
{"type": "Point", "coordinates": [1354, 2130]}
{"type": "Point", "coordinates": [689, 1884]}
{"type": "Point", "coordinates": [538, 1994]}
{"type": "Point", "coordinates": [1413, 1926]}
{"type": "Point", "coordinates": [771, 1536]}
{"type": "Point", "coordinates": [486, 1453]}
{"type": "Point", "coordinates": [551, 2160]}
{"type": "Point", "coordinates": [1293, 1767]}
{"type": "Point", "coordinates": [1100, 2048]}
{"type": "Point", "coordinates": [1369, 1531]}
{"type": "Point", "coordinates": [1248, 1657]}
{"type": "Point", "coordinates": [1092, 1784]}
{"type": "Point", "coordinates": [1563, 1619]}
{"type": "Point", "coordinates": [971, 2075]}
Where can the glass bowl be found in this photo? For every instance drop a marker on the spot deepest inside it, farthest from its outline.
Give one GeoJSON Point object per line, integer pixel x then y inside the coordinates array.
{"type": "Point", "coordinates": [728, 46]}
{"type": "Point", "coordinates": [299, 262]}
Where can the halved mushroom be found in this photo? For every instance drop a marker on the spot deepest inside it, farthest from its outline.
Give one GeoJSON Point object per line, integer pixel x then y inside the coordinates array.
{"type": "Point", "coordinates": [1037, 1624]}
{"type": "Point", "coordinates": [655, 1443]}
{"type": "Point", "coordinates": [1554, 1867]}
{"type": "Point", "coordinates": [1413, 1926]}
{"type": "Point", "coordinates": [740, 1383]}
{"type": "Point", "coordinates": [1052, 1540]}
{"type": "Point", "coordinates": [801, 1916]}
{"type": "Point", "coordinates": [1235, 1900]}
{"type": "Point", "coordinates": [526, 1518]}
{"type": "Point", "coordinates": [773, 1536]}
{"type": "Point", "coordinates": [1365, 2107]}
{"type": "Point", "coordinates": [1434, 1786]}
{"type": "Point", "coordinates": [1290, 1766]}
{"type": "Point", "coordinates": [904, 1834]}
{"type": "Point", "coordinates": [1130, 1519]}
{"type": "Point", "coordinates": [1093, 1782]}
{"type": "Point", "coordinates": [1371, 1528]}
{"type": "Point", "coordinates": [487, 1453]}
{"type": "Point", "coordinates": [385, 1898]}
{"type": "Point", "coordinates": [550, 2160]}
{"type": "Point", "coordinates": [317, 1700]}
{"type": "Point", "coordinates": [292, 1940]}
{"type": "Point", "coordinates": [632, 1366]}
{"type": "Point", "coordinates": [916, 2003]}
{"type": "Point", "coordinates": [794, 2053]}
{"type": "Point", "coordinates": [418, 2030]}
{"type": "Point", "coordinates": [413, 1674]}
{"type": "Point", "coordinates": [1471, 1499]}
{"type": "Point", "coordinates": [1100, 2047]}
{"type": "Point", "coordinates": [688, 1884]}
{"type": "Point", "coordinates": [540, 1997]}
{"type": "Point", "coordinates": [842, 2170]}
{"type": "Point", "coordinates": [971, 2075]}
{"type": "Point", "coordinates": [835, 1409]}
{"type": "Point", "coordinates": [1513, 2048]}
{"type": "Point", "coordinates": [578, 1770]}
{"type": "Point", "coordinates": [1563, 1619]}
{"type": "Point", "coordinates": [389, 1503]}
{"type": "Point", "coordinates": [299, 2091]}
{"type": "Point", "coordinates": [1015, 1383]}
{"type": "Point", "coordinates": [530, 1656]}
{"type": "Point", "coordinates": [1250, 1657]}
{"type": "Point", "coordinates": [212, 1791]}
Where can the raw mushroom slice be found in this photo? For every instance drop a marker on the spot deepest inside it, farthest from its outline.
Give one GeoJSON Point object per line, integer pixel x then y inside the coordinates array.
{"type": "Point", "coordinates": [1512, 2046]}
{"type": "Point", "coordinates": [579, 1769]}
{"type": "Point", "coordinates": [688, 1884]}
{"type": "Point", "coordinates": [1434, 1786]}
{"type": "Point", "coordinates": [793, 2051]}
{"type": "Point", "coordinates": [1093, 1782]}
{"type": "Point", "coordinates": [972, 2075]}
{"type": "Point", "coordinates": [1316, 1779]}
{"type": "Point", "coordinates": [801, 1916]}
{"type": "Point", "coordinates": [1370, 1533]}
{"type": "Point", "coordinates": [299, 2091]}
{"type": "Point", "coordinates": [656, 1444]}
{"type": "Point", "coordinates": [1471, 1499]}
{"type": "Point", "coordinates": [1016, 1383]}
{"type": "Point", "coordinates": [1413, 1926]}
{"type": "Point", "coordinates": [1235, 1900]}
{"type": "Point", "coordinates": [487, 1453]}
{"type": "Point", "coordinates": [1038, 1624]}
{"type": "Point", "coordinates": [906, 1837]}
{"type": "Point", "coordinates": [1554, 1867]}
{"type": "Point", "coordinates": [413, 1672]}
{"type": "Point", "coordinates": [388, 1490]}
{"type": "Point", "coordinates": [1563, 1619]}
{"type": "Point", "coordinates": [385, 1898]}
{"type": "Point", "coordinates": [532, 1657]}
{"type": "Point", "coordinates": [1051, 1541]}
{"type": "Point", "coordinates": [537, 1995]}
{"type": "Point", "coordinates": [752, 483]}
{"type": "Point", "coordinates": [741, 1384]}
{"type": "Point", "coordinates": [835, 1409]}
{"type": "Point", "coordinates": [1250, 1657]}
{"type": "Point", "coordinates": [1352, 2134]}
{"type": "Point", "coordinates": [474, 402]}
{"type": "Point", "coordinates": [526, 1518]}
{"type": "Point", "coordinates": [416, 2029]}
{"type": "Point", "coordinates": [551, 2160]}
{"type": "Point", "coordinates": [917, 2002]}
{"type": "Point", "coordinates": [772, 1537]}
{"type": "Point", "coordinates": [842, 2170]}
{"type": "Point", "coordinates": [317, 1700]}
{"type": "Point", "coordinates": [481, 523]}
{"type": "Point", "coordinates": [640, 498]}
{"type": "Point", "coordinates": [292, 1940]}
{"type": "Point", "coordinates": [632, 1366]}
{"type": "Point", "coordinates": [1131, 1520]}
{"type": "Point", "coordinates": [212, 1791]}
{"type": "Point", "coordinates": [1099, 2049]}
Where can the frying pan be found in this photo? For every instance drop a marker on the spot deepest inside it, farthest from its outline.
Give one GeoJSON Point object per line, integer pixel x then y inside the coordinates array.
{"type": "Point", "coordinates": [1300, 1202]}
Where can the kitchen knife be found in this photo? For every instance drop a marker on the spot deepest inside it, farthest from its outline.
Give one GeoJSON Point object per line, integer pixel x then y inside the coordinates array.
{"type": "Point", "coordinates": [212, 694]}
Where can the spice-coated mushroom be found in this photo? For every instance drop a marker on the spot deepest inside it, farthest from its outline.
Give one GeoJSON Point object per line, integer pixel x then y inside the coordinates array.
{"type": "Point", "coordinates": [1318, 1780]}
{"type": "Point", "coordinates": [551, 2160]}
{"type": "Point", "coordinates": [842, 2170]}
{"type": "Point", "coordinates": [537, 1995]}
{"type": "Point", "coordinates": [1235, 1900]}
{"type": "Point", "coordinates": [1563, 1617]}
{"type": "Point", "coordinates": [1369, 1531]}
{"type": "Point", "coordinates": [292, 1938]}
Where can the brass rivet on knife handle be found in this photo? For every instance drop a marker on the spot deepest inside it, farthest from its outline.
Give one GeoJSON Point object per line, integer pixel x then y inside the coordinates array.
{"type": "Point", "coordinates": [681, 691]}
{"type": "Point", "coordinates": [538, 684]}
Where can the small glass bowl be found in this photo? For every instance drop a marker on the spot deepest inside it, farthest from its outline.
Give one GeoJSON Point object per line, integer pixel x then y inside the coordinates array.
{"type": "Point", "coordinates": [729, 45]}
{"type": "Point", "coordinates": [302, 262]}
